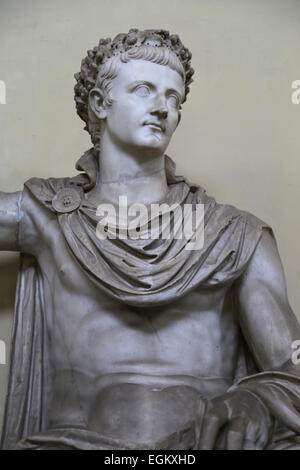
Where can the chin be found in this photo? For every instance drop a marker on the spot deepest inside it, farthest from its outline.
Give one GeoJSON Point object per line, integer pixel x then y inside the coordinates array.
{"type": "Point", "coordinates": [154, 144]}
{"type": "Point", "coordinates": [153, 151]}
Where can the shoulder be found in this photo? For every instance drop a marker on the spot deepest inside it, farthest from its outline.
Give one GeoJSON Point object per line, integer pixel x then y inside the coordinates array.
{"type": "Point", "coordinates": [265, 262]}
{"type": "Point", "coordinates": [231, 237]}
{"type": "Point", "coordinates": [44, 190]}
{"type": "Point", "coordinates": [220, 217]}
{"type": "Point", "coordinates": [226, 211]}
{"type": "Point", "coordinates": [259, 241]}
{"type": "Point", "coordinates": [264, 271]}
{"type": "Point", "coordinates": [37, 211]}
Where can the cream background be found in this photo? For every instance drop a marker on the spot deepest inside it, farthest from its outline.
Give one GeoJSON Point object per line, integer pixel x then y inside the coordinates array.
{"type": "Point", "coordinates": [239, 136]}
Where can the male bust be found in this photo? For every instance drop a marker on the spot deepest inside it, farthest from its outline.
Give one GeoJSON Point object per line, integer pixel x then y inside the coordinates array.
{"type": "Point", "coordinates": [140, 343]}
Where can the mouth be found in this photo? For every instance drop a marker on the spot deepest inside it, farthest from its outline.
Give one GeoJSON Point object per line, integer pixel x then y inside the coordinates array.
{"type": "Point", "coordinates": [155, 125]}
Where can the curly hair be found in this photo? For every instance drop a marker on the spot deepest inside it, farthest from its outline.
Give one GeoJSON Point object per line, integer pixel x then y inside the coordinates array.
{"type": "Point", "coordinates": [101, 65]}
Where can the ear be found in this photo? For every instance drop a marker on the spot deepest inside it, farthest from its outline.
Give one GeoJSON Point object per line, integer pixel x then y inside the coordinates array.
{"type": "Point", "coordinates": [96, 103]}
{"type": "Point", "coordinates": [179, 118]}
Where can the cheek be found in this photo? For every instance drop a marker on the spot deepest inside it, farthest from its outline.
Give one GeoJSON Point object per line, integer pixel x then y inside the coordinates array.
{"type": "Point", "coordinates": [120, 120]}
{"type": "Point", "coordinates": [123, 107]}
{"type": "Point", "coordinates": [173, 121]}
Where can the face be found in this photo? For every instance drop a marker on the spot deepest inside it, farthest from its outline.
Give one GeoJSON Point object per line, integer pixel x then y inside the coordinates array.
{"type": "Point", "coordinates": [145, 109]}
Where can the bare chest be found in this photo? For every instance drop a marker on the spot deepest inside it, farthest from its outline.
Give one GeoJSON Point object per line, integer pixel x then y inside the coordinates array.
{"type": "Point", "coordinates": [98, 335]}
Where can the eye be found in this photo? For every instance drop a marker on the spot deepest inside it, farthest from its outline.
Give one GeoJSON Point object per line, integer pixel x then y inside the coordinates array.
{"type": "Point", "coordinates": [174, 101]}
{"type": "Point", "coordinates": [142, 90]}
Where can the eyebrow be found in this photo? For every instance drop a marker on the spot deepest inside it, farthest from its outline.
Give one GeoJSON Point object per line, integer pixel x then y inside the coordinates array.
{"type": "Point", "coordinates": [151, 85]}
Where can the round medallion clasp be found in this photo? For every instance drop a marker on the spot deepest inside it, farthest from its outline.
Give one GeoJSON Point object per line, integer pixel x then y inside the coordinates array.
{"type": "Point", "coordinates": [66, 200]}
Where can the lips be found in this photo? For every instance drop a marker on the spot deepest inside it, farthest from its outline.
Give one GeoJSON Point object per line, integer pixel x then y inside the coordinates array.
{"type": "Point", "coordinates": [156, 125]}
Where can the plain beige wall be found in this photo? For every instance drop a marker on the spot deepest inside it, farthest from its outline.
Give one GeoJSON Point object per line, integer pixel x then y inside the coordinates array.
{"type": "Point", "coordinates": [239, 136]}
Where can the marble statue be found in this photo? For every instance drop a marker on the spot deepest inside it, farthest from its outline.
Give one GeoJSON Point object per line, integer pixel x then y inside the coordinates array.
{"type": "Point", "coordinates": [140, 343]}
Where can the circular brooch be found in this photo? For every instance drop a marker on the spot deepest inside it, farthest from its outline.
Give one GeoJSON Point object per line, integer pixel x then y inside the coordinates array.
{"type": "Point", "coordinates": [66, 200]}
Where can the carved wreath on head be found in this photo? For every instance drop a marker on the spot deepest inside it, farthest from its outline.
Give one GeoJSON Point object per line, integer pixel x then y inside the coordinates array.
{"type": "Point", "coordinates": [107, 48]}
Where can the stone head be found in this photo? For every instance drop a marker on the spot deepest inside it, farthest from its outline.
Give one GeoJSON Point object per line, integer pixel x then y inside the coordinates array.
{"type": "Point", "coordinates": [112, 64]}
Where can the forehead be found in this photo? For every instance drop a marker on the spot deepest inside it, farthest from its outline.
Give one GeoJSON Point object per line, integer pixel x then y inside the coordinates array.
{"type": "Point", "coordinates": [144, 70]}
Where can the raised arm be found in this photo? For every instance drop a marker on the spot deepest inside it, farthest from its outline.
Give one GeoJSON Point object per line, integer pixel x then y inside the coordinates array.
{"type": "Point", "coordinates": [9, 220]}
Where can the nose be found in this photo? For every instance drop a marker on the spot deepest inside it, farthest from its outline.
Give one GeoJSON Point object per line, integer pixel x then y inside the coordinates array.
{"type": "Point", "coordinates": [160, 108]}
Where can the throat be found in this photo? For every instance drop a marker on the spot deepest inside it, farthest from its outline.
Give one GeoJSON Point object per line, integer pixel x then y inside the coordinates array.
{"type": "Point", "coordinates": [142, 188]}
{"type": "Point", "coordinates": [140, 177]}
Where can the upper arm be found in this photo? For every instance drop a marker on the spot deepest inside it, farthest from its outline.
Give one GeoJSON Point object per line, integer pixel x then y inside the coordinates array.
{"type": "Point", "coordinates": [9, 221]}
{"type": "Point", "coordinates": [265, 316]}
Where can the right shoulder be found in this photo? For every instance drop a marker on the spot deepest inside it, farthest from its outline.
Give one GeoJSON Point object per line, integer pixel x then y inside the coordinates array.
{"type": "Point", "coordinates": [42, 191]}
{"type": "Point", "coordinates": [36, 211]}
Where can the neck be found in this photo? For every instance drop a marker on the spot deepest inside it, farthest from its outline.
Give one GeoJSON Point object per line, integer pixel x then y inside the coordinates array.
{"type": "Point", "coordinates": [141, 178]}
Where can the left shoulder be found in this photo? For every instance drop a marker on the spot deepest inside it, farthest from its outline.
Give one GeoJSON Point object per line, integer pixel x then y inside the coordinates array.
{"type": "Point", "coordinates": [229, 212]}
{"type": "Point", "coordinates": [265, 266]}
